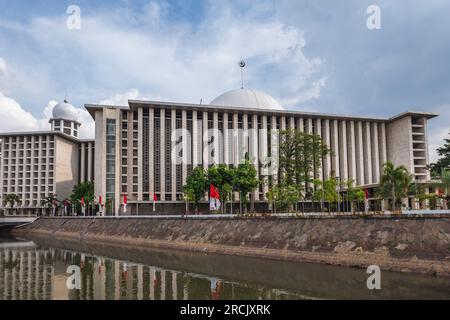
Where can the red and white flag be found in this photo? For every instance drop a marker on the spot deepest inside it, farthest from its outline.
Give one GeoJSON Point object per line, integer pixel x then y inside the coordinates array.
{"type": "Point", "coordinates": [214, 196]}
{"type": "Point", "coordinates": [155, 198]}
{"type": "Point", "coordinates": [125, 200]}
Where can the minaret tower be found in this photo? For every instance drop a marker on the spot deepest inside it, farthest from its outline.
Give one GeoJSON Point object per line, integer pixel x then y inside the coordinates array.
{"type": "Point", "coordinates": [65, 119]}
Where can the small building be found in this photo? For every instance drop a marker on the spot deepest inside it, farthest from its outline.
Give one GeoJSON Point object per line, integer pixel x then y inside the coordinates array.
{"type": "Point", "coordinates": [34, 165]}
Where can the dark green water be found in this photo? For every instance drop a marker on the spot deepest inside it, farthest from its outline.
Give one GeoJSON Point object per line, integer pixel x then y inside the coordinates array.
{"type": "Point", "coordinates": [37, 269]}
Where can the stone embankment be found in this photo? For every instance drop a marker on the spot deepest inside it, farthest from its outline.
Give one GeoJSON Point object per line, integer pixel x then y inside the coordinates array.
{"type": "Point", "coordinates": [406, 244]}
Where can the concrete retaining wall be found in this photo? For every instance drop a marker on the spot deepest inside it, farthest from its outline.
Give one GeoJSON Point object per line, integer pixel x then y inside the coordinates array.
{"type": "Point", "coordinates": [403, 244]}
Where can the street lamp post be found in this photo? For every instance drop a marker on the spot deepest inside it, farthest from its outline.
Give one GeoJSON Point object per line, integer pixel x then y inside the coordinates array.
{"type": "Point", "coordinates": [338, 188]}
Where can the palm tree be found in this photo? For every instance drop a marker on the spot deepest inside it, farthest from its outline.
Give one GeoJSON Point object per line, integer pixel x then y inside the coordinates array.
{"type": "Point", "coordinates": [394, 183]}
{"type": "Point", "coordinates": [12, 199]}
{"type": "Point", "coordinates": [445, 185]}
{"type": "Point", "coordinates": [50, 200]}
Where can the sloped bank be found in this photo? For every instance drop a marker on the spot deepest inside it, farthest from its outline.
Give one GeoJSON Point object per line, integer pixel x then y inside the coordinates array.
{"type": "Point", "coordinates": [407, 244]}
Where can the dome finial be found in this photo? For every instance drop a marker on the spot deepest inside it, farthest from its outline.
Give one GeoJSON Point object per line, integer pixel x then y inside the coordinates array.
{"type": "Point", "coordinates": [242, 66]}
{"type": "Point", "coordinates": [65, 98]}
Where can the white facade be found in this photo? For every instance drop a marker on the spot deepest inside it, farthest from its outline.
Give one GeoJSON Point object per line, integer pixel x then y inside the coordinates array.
{"type": "Point", "coordinates": [142, 157]}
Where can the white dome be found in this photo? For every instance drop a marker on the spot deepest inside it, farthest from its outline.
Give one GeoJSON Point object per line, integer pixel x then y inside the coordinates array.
{"type": "Point", "coordinates": [65, 110]}
{"type": "Point", "coordinates": [247, 99]}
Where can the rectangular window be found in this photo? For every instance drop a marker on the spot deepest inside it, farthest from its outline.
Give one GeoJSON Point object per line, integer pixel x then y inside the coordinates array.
{"type": "Point", "coordinates": [110, 158]}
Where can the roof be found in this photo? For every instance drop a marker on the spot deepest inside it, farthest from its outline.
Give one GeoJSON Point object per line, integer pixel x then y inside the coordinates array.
{"type": "Point", "coordinates": [91, 108]}
{"type": "Point", "coordinates": [45, 133]}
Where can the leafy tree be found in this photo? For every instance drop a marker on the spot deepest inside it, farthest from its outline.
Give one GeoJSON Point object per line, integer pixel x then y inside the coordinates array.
{"type": "Point", "coordinates": [245, 180]}
{"type": "Point", "coordinates": [444, 184]}
{"type": "Point", "coordinates": [196, 186]}
{"type": "Point", "coordinates": [49, 200]}
{"type": "Point", "coordinates": [284, 196]}
{"type": "Point", "coordinates": [443, 161]}
{"type": "Point", "coordinates": [325, 191]}
{"type": "Point", "coordinates": [354, 194]}
{"type": "Point", "coordinates": [394, 183]}
{"type": "Point", "coordinates": [222, 176]}
{"type": "Point", "coordinates": [12, 199]}
{"type": "Point", "coordinates": [86, 190]}
{"type": "Point", "coordinates": [300, 159]}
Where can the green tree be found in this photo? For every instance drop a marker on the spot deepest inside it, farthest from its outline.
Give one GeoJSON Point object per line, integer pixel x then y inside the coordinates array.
{"type": "Point", "coordinates": [284, 196]}
{"type": "Point", "coordinates": [444, 184]}
{"type": "Point", "coordinates": [394, 183]}
{"type": "Point", "coordinates": [245, 180]}
{"type": "Point", "coordinates": [221, 176]}
{"type": "Point", "coordinates": [86, 190]}
{"type": "Point", "coordinates": [325, 191]}
{"type": "Point", "coordinates": [300, 159]}
{"type": "Point", "coordinates": [196, 186]}
{"type": "Point", "coordinates": [12, 199]}
{"type": "Point", "coordinates": [443, 161]}
{"type": "Point", "coordinates": [49, 200]}
{"type": "Point", "coordinates": [355, 195]}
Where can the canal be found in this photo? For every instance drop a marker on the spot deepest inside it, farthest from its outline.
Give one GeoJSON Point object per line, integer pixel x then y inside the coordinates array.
{"type": "Point", "coordinates": [36, 268]}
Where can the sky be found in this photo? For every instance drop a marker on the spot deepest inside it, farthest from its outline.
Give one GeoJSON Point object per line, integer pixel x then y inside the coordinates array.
{"type": "Point", "coordinates": [310, 55]}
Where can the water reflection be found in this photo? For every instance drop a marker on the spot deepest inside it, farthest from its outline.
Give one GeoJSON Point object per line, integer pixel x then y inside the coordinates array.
{"type": "Point", "coordinates": [37, 270]}
{"type": "Point", "coordinates": [41, 274]}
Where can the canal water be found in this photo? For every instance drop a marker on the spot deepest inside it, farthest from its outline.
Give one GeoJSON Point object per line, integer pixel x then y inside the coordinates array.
{"type": "Point", "coordinates": [38, 269]}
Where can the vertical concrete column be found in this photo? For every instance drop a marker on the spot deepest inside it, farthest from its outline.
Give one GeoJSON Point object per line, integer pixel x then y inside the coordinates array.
{"type": "Point", "coordinates": [300, 125]}
{"type": "Point", "coordinates": [254, 150]}
{"type": "Point", "coordinates": [245, 135]}
{"type": "Point", "coordinates": [186, 147]}
{"type": "Point", "coordinates": [343, 163]}
{"type": "Point", "coordinates": [236, 142]}
{"type": "Point", "coordinates": [375, 154]}
{"type": "Point", "coordinates": [291, 123]}
{"type": "Point", "coordinates": [151, 152]}
{"type": "Point", "coordinates": [226, 140]}
{"type": "Point", "coordinates": [90, 162]}
{"type": "Point", "coordinates": [173, 166]}
{"type": "Point", "coordinates": [33, 141]}
{"type": "Point", "coordinates": [318, 132]}
{"type": "Point", "coordinates": [195, 159]}
{"type": "Point", "coordinates": [383, 145]}
{"type": "Point", "coordinates": [335, 148]}
{"type": "Point", "coordinates": [39, 200]}
{"type": "Point", "coordinates": [351, 144]}
{"type": "Point", "coordinates": [263, 149]}
{"type": "Point", "coordinates": [236, 145]}
{"type": "Point", "coordinates": [283, 123]}
{"type": "Point", "coordinates": [309, 126]}
{"type": "Point", "coordinates": [327, 159]}
{"type": "Point", "coordinates": [216, 138]}
{"type": "Point", "coordinates": [140, 154]}
{"type": "Point", "coordinates": [367, 154]}
{"type": "Point", "coordinates": [83, 158]}
{"type": "Point", "coordinates": [162, 154]}
{"type": "Point", "coordinates": [359, 154]}
{"type": "Point", "coordinates": [273, 150]}
{"type": "Point", "coordinates": [205, 135]}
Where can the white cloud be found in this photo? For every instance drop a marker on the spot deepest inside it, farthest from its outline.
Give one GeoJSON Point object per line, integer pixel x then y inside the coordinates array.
{"type": "Point", "coordinates": [13, 118]}
{"type": "Point", "coordinates": [438, 130]}
{"type": "Point", "coordinates": [178, 61]}
{"type": "Point", "coordinates": [121, 99]}
{"type": "Point", "coordinates": [2, 66]}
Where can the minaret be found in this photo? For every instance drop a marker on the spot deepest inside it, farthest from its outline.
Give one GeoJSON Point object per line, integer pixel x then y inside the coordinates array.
{"type": "Point", "coordinates": [65, 119]}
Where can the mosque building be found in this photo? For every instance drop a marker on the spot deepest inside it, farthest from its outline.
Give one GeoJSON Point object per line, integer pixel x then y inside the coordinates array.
{"type": "Point", "coordinates": [132, 154]}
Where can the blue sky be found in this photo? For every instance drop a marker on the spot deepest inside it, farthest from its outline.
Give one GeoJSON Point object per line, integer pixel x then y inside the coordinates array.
{"type": "Point", "coordinates": [310, 55]}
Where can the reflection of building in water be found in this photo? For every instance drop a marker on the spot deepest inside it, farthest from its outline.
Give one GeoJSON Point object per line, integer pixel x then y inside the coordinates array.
{"type": "Point", "coordinates": [39, 274]}
{"type": "Point", "coordinates": [25, 275]}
